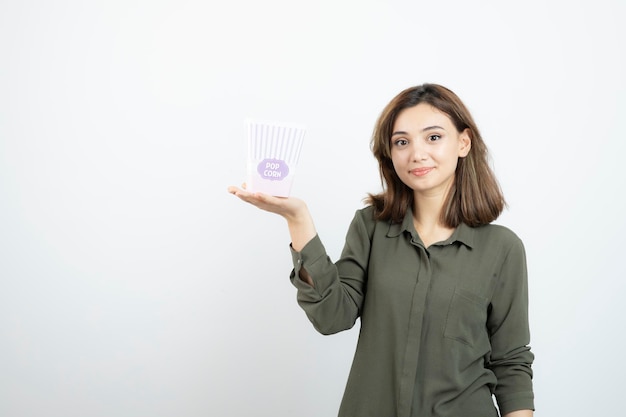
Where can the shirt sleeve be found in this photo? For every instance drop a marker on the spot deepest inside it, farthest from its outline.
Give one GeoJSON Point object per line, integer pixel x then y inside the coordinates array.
{"type": "Point", "coordinates": [334, 302]}
{"type": "Point", "coordinates": [511, 358]}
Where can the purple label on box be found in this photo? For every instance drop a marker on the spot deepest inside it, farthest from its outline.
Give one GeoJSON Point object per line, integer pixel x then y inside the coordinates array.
{"type": "Point", "coordinates": [273, 169]}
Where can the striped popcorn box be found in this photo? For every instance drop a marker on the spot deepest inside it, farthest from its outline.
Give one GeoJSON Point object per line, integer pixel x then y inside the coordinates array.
{"type": "Point", "coordinates": [273, 153]}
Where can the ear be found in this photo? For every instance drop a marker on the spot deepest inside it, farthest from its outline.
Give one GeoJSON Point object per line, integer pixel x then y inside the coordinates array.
{"type": "Point", "coordinates": [465, 143]}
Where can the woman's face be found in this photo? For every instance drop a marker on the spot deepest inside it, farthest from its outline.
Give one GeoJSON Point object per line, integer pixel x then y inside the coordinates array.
{"type": "Point", "coordinates": [425, 147]}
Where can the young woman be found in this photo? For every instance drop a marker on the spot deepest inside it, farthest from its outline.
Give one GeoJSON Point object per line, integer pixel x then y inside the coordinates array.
{"type": "Point", "coordinates": [441, 293]}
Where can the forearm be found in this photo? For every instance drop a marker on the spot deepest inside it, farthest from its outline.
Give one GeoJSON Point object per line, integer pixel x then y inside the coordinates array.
{"type": "Point", "coordinates": [301, 229]}
{"type": "Point", "coordinates": [334, 300]}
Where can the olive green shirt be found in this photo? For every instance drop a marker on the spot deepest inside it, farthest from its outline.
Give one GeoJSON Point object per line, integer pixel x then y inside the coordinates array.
{"type": "Point", "coordinates": [442, 328]}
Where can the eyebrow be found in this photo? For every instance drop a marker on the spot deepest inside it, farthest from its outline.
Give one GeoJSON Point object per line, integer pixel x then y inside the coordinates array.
{"type": "Point", "coordinates": [426, 129]}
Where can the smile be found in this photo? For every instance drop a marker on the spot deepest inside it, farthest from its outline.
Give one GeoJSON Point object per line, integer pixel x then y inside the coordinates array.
{"type": "Point", "coordinates": [420, 172]}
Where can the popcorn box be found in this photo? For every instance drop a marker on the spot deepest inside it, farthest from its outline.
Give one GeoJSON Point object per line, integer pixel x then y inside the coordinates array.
{"type": "Point", "coordinates": [273, 153]}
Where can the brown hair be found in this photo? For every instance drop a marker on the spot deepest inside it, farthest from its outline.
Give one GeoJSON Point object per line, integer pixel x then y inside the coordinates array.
{"type": "Point", "coordinates": [475, 197]}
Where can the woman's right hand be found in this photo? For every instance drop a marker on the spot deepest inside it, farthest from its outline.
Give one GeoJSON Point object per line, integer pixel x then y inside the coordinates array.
{"type": "Point", "coordinates": [288, 207]}
{"type": "Point", "coordinates": [294, 210]}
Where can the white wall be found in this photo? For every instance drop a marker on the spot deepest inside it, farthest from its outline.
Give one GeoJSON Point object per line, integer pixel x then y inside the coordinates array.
{"type": "Point", "coordinates": [133, 284]}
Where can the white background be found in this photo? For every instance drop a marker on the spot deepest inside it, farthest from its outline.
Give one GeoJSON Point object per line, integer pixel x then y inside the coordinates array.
{"type": "Point", "coordinates": [133, 284]}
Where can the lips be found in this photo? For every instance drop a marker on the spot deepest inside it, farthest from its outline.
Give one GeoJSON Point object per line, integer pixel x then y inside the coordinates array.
{"type": "Point", "coordinates": [420, 172]}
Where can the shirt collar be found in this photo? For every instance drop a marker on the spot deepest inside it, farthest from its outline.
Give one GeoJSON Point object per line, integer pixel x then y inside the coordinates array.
{"type": "Point", "coordinates": [463, 233]}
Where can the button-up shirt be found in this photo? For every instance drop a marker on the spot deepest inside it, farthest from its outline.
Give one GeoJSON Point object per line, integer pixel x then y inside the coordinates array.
{"type": "Point", "coordinates": [442, 328]}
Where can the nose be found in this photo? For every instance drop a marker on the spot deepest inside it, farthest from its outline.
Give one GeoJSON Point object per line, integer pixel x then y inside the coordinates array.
{"type": "Point", "coordinates": [418, 151]}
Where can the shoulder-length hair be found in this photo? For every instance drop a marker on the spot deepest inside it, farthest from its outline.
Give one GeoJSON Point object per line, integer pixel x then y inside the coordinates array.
{"type": "Point", "coordinates": [475, 197]}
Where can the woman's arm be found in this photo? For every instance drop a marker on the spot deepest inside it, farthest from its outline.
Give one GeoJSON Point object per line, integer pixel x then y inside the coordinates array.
{"type": "Point", "coordinates": [295, 211]}
{"type": "Point", "coordinates": [511, 357]}
{"type": "Point", "coordinates": [330, 294]}
{"type": "Point", "coordinates": [520, 413]}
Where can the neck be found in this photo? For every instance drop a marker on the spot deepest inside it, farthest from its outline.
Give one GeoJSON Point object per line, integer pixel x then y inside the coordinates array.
{"type": "Point", "coordinates": [427, 210]}
{"type": "Point", "coordinates": [427, 219]}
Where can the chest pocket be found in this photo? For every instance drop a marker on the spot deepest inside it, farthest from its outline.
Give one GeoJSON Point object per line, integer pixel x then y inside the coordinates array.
{"type": "Point", "coordinates": [466, 321]}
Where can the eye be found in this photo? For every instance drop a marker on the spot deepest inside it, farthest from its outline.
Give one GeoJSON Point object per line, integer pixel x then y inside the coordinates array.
{"type": "Point", "coordinates": [401, 142]}
{"type": "Point", "coordinates": [434, 138]}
